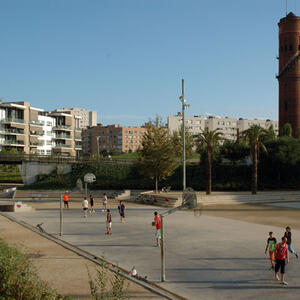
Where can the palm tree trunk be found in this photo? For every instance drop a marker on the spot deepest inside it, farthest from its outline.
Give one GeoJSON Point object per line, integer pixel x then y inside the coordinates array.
{"type": "Point", "coordinates": [254, 169]}
{"type": "Point", "coordinates": [208, 171]}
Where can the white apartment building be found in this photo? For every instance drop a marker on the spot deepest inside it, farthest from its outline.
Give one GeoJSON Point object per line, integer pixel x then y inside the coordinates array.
{"type": "Point", "coordinates": [228, 126]}
{"type": "Point", "coordinates": [195, 124]}
{"type": "Point", "coordinates": [244, 124]}
{"type": "Point", "coordinates": [87, 118]}
{"type": "Point", "coordinates": [46, 141]}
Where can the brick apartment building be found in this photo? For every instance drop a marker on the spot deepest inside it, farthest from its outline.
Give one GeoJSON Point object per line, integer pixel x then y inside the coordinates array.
{"type": "Point", "coordinates": [111, 138]}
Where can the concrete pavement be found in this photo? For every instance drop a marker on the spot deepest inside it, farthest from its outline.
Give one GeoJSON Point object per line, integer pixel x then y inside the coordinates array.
{"type": "Point", "coordinates": [207, 257]}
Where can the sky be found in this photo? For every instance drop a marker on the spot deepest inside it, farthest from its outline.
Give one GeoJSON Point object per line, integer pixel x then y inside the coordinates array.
{"type": "Point", "coordinates": [125, 58]}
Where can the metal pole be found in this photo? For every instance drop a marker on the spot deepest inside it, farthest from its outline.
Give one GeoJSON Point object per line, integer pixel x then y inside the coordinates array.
{"type": "Point", "coordinates": [61, 217]}
{"type": "Point", "coordinates": [162, 249]}
{"type": "Point", "coordinates": [183, 138]}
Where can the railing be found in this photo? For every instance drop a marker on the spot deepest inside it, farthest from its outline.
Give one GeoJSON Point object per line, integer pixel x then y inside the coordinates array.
{"type": "Point", "coordinates": [13, 131]}
{"type": "Point", "coordinates": [13, 142]}
{"type": "Point", "coordinates": [78, 129]}
{"type": "Point", "coordinates": [36, 144]}
{"type": "Point", "coordinates": [62, 136]}
{"type": "Point", "coordinates": [78, 147]}
{"type": "Point", "coordinates": [62, 146]}
{"type": "Point", "coordinates": [19, 158]}
{"type": "Point", "coordinates": [13, 120]}
{"type": "Point", "coordinates": [37, 123]}
{"type": "Point", "coordinates": [36, 133]}
{"type": "Point", "coordinates": [62, 127]}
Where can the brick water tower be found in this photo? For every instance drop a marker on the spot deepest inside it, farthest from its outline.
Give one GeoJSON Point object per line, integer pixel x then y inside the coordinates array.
{"type": "Point", "coordinates": [289, 72]}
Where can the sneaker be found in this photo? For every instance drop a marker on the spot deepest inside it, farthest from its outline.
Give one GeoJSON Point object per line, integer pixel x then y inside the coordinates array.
{"type": "Point", "coordinates": [284, 282]}
{"type": "Point", "coordinates": [276, 277]}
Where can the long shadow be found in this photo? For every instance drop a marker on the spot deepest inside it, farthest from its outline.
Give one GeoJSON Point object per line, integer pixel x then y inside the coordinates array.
{"type": "Point", "coordinates": [227, 258]}
{"type": "Point", "coordinates": [217, 269]}
{"type": "Point", "coordinates": [110, 245]}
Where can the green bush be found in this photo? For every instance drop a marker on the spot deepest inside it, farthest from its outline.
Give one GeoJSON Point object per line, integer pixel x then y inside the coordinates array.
{"type": "Point", "coordinates": [18, 278]}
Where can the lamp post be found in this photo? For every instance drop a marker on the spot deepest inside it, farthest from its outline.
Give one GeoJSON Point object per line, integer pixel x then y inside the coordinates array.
{"type": "Point", "coordinates": [184, 106]}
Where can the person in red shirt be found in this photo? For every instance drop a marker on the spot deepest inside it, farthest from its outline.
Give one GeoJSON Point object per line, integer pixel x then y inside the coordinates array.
{"type": "Point", "coordinates": [157, 224]}
{"type": "Point", "coordinates": [282, 257]}
{"type": "Point", "coordinates": [66, 200]}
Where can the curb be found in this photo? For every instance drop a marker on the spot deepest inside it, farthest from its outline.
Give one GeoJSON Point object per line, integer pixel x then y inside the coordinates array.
{"type": "Point", "coordinates": [152, 287]}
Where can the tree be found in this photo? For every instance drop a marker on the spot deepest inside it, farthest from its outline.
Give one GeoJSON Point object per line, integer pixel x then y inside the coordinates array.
{"type": "Point", "coordinates": [209, 140]}
{"type": "Point", "coordinates": [234, 150]}
{"type": "Point", "coordinates": [176, 139]}
{"type": "Point", "coordinates": [254, 136]}
{"type": "Point", "coordinates": [286, 130]}
{"type": "Point", "coordinates": [157, 158]}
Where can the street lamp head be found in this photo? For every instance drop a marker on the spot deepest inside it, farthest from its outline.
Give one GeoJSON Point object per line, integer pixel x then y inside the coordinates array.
{"type": "Point", "coordinates": [187, 106]}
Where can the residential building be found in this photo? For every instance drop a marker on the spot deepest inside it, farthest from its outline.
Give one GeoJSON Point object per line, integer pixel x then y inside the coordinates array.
{"type": "Point", "coordinates": [111, 138]}
{"type": "Point", "coordinates": [87, 118]}
{"type": "Point", "coordinates": [244, 124]}
{"type": "Point", "coordinates": [46, 141]}
{"type": "Point", "coordinates": [66, 133]}
{"type": "Point", "coordinates": [228, 126]}
{"type": "Point", "coordinates": [195, 124]}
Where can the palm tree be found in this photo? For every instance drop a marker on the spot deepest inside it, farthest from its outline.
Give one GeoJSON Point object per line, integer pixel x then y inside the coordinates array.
{"type": "Point", "coordinates": [209, 140]}
{"type": "Point", "coordinates": [254, 136]}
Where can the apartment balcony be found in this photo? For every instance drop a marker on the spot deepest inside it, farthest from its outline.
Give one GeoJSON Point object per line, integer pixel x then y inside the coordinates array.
{"type": "Point", "coordinates": [36, 133]}
{"type": "Point", "coordinates": [77, 138]}
{"type": "Point", "coordinates": [58, 145]}
{"type": "Point", "coordinates": [13, 120]}
{"type": "Point", "coordinates": [36, 123]}
{"type": "Point", "coordinates": [36, 144]}
{"type": "Point", "coordinates": [13, 143]}
{"type": "Point", "coordinates": [78, 147]}
{"type": "Point", "coordinates": [78, 129]}
{"type": "Point", "coordinates": [11, 131]}
{"type": "Point", "coordinates": [62, 127]}
{"type": "Point", "coordinates": [62, 136]}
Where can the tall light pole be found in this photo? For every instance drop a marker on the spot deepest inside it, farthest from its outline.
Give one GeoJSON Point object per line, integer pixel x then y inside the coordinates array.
{"type": "Point", "coordinates": [184, 105]}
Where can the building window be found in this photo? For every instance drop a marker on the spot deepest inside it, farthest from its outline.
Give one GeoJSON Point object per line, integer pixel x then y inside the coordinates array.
{"type": "Point", "coordinates": [291, 47]}
{"type": "Point", "coordinates": [285, 106]}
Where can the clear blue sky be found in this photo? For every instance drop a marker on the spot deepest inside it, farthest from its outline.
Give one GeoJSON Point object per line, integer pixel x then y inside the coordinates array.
{"type": "Point", "coordinates": [125, 58]}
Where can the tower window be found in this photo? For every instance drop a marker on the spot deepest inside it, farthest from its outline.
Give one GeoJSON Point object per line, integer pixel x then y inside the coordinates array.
{"type": "Point", "coordinates": [285, 106]}
{"type": "Point", "coordinates": [291, 47]}
{"type": "Point", "coordinates": [285, 47]}
{"type": "Point", "coordinates": [299, 47]}
{"type": "Point", "coordinates": [281, 48]}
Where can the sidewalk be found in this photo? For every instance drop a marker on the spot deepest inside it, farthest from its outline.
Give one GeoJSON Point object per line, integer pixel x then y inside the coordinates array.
{"type": "Point", "coordinates": [63, 269]}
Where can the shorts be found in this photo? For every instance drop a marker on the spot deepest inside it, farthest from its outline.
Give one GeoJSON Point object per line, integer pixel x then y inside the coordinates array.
{"type": "Point", "coordinates": [122, 214]}
{"type": "Point", "coordinates": [280, 264]}
{"type": "Point", "coordinates": [66, 202]}
{"type": "Point", "coordinates": [92, 203]}
{"type": "Point", "coordinates": [108, 225]}
{"type": "Point", "coordinates": [272, 255]}
{"type": "Point", "coordinates": [85, 208]}
{"type": "Point", "coordinates": [104, 202]}
{"type": "Point", "coordinates": [158, 233]}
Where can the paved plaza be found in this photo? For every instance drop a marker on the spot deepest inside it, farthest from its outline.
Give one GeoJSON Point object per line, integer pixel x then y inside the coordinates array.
{"type": "Point", "coordinates": [207, 257]}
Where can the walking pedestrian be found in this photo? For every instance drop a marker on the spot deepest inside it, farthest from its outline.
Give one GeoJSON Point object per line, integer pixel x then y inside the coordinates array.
{"type": "Point", "coordinates": [85, 207]}
{"type": "Point", "coordinates": [288, 235]}
{"type": "Point", "coordinates": [108, 222]}
{"type": "Point", "coordinates": [271, 244]}
{"type": "Point", "coordinates": [157, 224]}
{"type": "Point", "coordinates": [105, 201]}
{"type": "Point", "coordinates": [92, 204]}
{"type": "Point", "coordinates": [66, 200]}
{"type": "Point", "coordinates": [282, 258]}
{"type": "Point", "coordinates": [121, 209]}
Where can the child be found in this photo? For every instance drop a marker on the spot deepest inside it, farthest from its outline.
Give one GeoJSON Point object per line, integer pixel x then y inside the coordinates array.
{"type": "Point", "coordinates": [271, 244]}
{"type": "Point", "coordinates": [108, 222]}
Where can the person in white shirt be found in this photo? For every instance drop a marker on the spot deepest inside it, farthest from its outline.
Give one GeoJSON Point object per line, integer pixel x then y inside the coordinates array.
{"type": "Point", "coordinates": [85, 207]}
{"type": "Point", "coordinates": [105, 202]}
